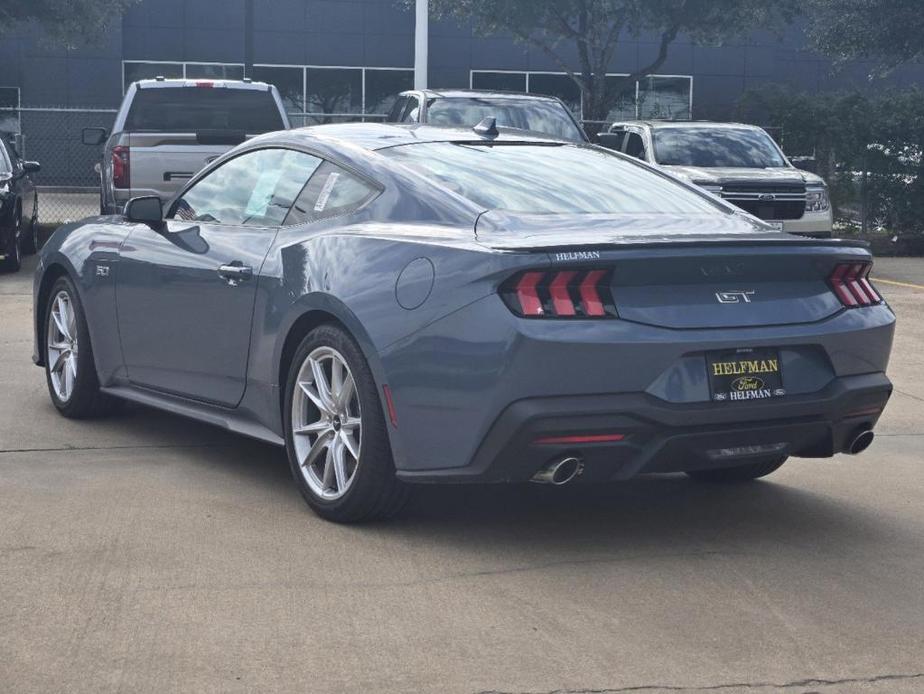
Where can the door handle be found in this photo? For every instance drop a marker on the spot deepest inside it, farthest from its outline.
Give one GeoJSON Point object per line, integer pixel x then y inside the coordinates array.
{"type": "Point", "coordinates": [235, 272]}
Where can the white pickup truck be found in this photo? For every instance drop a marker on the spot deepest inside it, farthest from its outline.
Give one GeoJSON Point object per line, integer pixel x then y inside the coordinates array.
{"type": "Point", "coordinates": [739, 163]}
{"type": "Point", "coordinates": [168, 129]}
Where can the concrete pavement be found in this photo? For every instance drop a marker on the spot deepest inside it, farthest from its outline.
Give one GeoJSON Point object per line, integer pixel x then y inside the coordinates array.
{"type": "Point", "coordinates": [145, 553]}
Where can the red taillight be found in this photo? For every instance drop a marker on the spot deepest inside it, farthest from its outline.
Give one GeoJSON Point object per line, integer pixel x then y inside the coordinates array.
{"type": "Point", "coordinates": [581, 438]}
{"type": "Point", "coordinates": [121, 167]}
{"type": "Point", "coordinates": [850, 283]}
{"type": "Point", "coordinates": [528, 294]}
{"type": "Point", "coordinates": [560, 294]}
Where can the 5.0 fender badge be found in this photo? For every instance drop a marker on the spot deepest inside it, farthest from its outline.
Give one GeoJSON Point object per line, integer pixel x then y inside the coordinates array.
{"type": "Point", "coordinates": [102, 271]}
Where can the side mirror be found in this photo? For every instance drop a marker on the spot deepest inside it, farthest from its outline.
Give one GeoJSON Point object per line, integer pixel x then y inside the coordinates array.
{"type": "Point", "coordinates": [94, 136]}
{"type": "Point", "coordinates": [805, 163]}
{"type": "Point", "coordinates": [146, 210]}
{"type": "Point", "coordinates": [31, 167]}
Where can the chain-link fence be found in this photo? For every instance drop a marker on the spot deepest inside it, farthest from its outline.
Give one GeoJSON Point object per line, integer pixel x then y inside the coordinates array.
{"type": "Point", "coordinates": [68, 184]}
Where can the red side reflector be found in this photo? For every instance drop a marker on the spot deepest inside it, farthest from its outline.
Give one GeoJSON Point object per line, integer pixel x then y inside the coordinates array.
{"type": "Point", "coordinates": [561, 298]}
{"type": "Point", "coordinates": [587, 438]}
{"type": "Point", "coordinates": [590, 297]}
{"type": "Point", "coordinates": [390, 406]}
{"type": "Point", "coordinates": [207, 85]}
{"type": "Point", "coordinates": [528, 295]}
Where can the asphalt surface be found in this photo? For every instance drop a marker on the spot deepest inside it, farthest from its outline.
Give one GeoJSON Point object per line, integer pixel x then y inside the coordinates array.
{"type": "Point", "coordinates": [145, 553]}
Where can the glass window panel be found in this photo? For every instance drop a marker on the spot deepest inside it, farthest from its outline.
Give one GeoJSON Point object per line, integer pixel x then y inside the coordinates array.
{"type": "Point", "coordinates": [561, 86]}
{"type": "Point", "coordinates": [288, 80]}
{"type": "Point", "coordinates": [191, 109]}
{"type": "Point", "coordinates": [135, 71]}
{"type": "Point", "coordinates": [9, 110]}
{"type": "Point", "coordinates": [214, 71]}
{"type": "Point", "coordinates": [551, 179]}
{"type": "Point", "coordinates": [254, 189]}
{"type": "Point", "coordinates": [383, 87]}
{"type": "Point", "coordinates": [334, 90]}
{"type": "Point", "coordinates": [330, 192]}
{"type": "Point", "coordinates": [499, 81]}
{"type": "Point", "coordinates": [624, 108]}
{"type": "Point", "coordinates": [664, 97]}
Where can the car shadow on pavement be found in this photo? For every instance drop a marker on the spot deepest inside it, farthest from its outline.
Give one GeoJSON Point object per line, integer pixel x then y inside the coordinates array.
{"type": "Point", "coordinates": [656, 513]}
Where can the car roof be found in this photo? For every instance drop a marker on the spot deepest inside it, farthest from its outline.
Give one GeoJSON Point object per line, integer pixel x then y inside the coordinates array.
{"type": "Point", "coordinates": [478, 94]}
{"type": "Point", "coordinates": [658, 124]}
{"type": "Point", "coordinates": [220, 83]}
{"type": "Point", "coordinates": [375, 136]}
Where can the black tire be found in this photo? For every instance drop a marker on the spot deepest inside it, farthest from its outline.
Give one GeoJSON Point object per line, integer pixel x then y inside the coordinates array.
{"type": "Point", "coordinates": [375, 492]}
{"type": "Point", "coordinates": [85, 400]}
{"type": "Point", "coordinates": [30, 238]}
{"type": "Point", "coordinates": [13, 260]}
{"type": "Point", "coordinates": [738, 474]}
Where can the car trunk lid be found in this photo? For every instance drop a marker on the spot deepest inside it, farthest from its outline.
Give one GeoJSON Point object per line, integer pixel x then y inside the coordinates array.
{"type": "Point", "coordinates": [687, 273]}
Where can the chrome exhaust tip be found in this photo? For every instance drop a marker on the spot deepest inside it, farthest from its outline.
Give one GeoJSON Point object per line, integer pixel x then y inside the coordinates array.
{"type": "Point", "coordinates": [860, 442]}
{"type": "Point", "coordinates": [560, 471]}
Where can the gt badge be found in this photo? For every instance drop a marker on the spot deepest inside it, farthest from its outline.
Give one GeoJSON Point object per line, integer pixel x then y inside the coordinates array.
{"type": "Point", "coordinates": [735, 296]}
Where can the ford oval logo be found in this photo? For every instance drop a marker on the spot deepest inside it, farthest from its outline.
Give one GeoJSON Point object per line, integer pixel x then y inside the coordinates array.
{"type": "Point", "coordinates": [766, 196]}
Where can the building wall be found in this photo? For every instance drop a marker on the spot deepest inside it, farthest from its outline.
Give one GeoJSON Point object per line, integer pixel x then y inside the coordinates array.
{"type": "Point", "coordinates": [372, 34]}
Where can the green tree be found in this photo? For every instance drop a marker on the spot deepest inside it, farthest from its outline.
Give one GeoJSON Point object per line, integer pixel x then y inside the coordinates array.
{"type": "Point", "coordinates": [889, 32]}
{"type": "Point", "coordinates": [594, 28]}
{"type": "Point", "coordinates": [68, 23]}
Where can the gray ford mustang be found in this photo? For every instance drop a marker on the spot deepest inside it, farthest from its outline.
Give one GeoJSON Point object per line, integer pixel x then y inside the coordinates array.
{"type": "Point", "coordinates": [399, 304]}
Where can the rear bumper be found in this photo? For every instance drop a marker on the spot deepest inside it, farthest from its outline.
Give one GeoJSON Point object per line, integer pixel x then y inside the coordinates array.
{"type": "Point", "coordinates": [665, 437]}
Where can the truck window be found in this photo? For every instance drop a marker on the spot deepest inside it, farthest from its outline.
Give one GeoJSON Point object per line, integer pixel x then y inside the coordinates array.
{"type": "Point", "coordinates": [635, 146]}
{"type": "Point", "coordinates": [194, 109]}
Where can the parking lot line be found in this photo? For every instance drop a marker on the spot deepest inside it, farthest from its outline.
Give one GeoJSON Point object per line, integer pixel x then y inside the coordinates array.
{"type": "Point", "coordinates": [899, 284]}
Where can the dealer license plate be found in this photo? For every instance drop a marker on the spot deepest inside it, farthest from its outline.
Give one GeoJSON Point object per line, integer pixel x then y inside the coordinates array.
{"type": "Point", "coordinates": [745, 374]}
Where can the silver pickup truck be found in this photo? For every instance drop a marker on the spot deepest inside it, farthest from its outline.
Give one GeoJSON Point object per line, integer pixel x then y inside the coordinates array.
{"type": "Point", "coordinates": [168, 129]}
{"type": "Point", "coordinates": [740, 163]}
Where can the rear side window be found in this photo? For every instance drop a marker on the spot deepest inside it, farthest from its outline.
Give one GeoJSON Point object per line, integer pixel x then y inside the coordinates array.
{"type": "Point", "coordinates": [331, 192]}
{"type": "Point", "coordinates": [254, 189]}
{"type": "Point", "coordinates": [194, 109]}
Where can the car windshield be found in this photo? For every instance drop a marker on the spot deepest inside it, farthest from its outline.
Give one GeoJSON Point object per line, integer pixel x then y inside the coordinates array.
{"type": "Point", "coordinates": [546, 117]}
{"type": "Point", "coordinates": [716, 147]}
{"type": "Point", "coordinates": [546, 178]}
{"type": "Point", "coordinates": [194, 109]}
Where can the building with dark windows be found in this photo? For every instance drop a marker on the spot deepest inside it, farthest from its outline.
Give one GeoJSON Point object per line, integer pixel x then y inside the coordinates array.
{"type": "Point", "coordinates": [345, 59]}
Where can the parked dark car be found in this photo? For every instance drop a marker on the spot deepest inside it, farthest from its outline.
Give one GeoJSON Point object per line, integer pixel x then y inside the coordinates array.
{"type": "Point", "coordinates": [546, 115]}
{"type": "Point", "coordinates": [18, 208]}
{"type": "Point", "coordinates": [405, 304]}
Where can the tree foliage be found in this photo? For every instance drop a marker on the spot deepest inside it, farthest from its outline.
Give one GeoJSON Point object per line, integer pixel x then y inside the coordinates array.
{"type": "Point", "coordinates": [869, 147]}
{"type": "Point", "coordinates": [889, 32]}
{"type": "Point", "coordinates": [592, 30]}
{"type": "Point", "coordinates": [69, 23]}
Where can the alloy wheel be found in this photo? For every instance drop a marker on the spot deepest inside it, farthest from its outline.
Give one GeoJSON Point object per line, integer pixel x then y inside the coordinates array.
{"type": "Point", "coordinates": [326, 423]}
{"type": "Point", "coordinates": [62, 346]}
